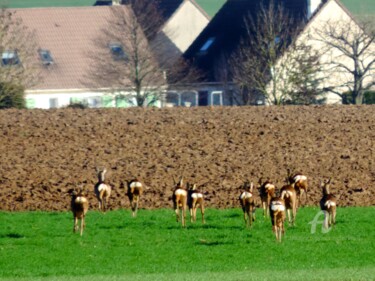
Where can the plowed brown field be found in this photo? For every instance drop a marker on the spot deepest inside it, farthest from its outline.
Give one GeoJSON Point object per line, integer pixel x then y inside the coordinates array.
{"type": "Point", "coordinates": [44, 153]}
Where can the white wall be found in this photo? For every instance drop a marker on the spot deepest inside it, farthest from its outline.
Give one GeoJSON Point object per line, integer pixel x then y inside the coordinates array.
{"type": "Point", "coordinates": [42, 99]}
{"type": "Point", "coordinates": [185, 25]}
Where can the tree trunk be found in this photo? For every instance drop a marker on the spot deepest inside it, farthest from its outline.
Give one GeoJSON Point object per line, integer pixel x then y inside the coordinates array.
{"type": "Point", "coordinates": [359, 98]}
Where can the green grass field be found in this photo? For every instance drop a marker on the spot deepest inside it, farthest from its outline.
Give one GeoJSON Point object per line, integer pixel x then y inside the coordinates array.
{"type": "Point", "coordinates": [114, 246]}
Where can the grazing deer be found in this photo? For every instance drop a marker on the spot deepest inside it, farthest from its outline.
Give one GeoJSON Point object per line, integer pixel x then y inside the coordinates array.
{"type": "Point", "coordinates": [180, 201]}
{"type": "Point", "coordinates": [102, 190]}
{"type": "Point", "coordinates": [79, 206]}
{"type": "Point", "coordinates": [267, 191]}
{"type": "Point", "coordinates": [300, 184]}
{"type": "Point", "coordinates": [135, 190]}
{"type": "Point", "coordinates": [328, 204]}
{"type": "Point", "coordinates": [289, 195]}
{"type": "Point", "coordinates": [277, 213]}
{"type": "Point", "coordinates": [247, 203]}
{"type": "Point", "coordinates": [195, 199]}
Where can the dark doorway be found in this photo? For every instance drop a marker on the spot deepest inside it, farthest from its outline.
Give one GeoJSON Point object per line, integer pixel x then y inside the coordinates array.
{"type": "Point", "coordinates": [203, 98]}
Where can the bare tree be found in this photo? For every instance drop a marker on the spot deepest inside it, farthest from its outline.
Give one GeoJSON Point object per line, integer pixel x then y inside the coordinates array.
{"type": "Point", "coordinates": [18, 52]}
{"type": "Point", "coordinates": [123, 60]}
{"type": "Point", "coordinates": [349, 51]}
{"type": "Point", "coordinates": [270, 63]}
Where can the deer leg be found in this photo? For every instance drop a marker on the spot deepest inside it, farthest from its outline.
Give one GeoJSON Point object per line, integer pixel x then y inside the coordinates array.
{"type": "Point", "coordinates": [264, 209]}
{"type": "Point", "coordinates": [82, 224]}
{"type": "Point", "coordinates": [135, 209]}
{"type": "Point", "coordinates": [202, 212]}
{"type": "Point", "coordinates": [75, 226]}
{"type": "Point", "coordinates": [249, 215]}
{"type": "Point", "coordinates": [183, 216]}
{"type": "Point", "coordinates": [177, 211]}
{"type": "Point", "coordinates": [326, 219]}
{"type": "Point", "coordinates": [133, 204]}
{"type": "Point", "coordinates": [195, 213]}
{"type": "Point", "coordinates": [334, 216]}
{"type": "Point", "coordinates": [289, 216]}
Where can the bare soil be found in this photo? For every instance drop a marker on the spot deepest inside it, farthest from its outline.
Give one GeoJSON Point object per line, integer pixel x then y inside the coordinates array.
{"type": "Point", "coordinates": [44, 153]}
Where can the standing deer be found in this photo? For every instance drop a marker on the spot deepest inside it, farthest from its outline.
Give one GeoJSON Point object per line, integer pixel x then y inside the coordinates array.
{"type": "Point", "coordinates": [195, 199]}
{"type": "Point", "coordinates": [247, 203]}
{"type": "Point", "coordinates": [135, 190]}
{"type": "Point", "coordinates": [102, 190]}
{"type": "Point", "coordinates": [277, 213]}
{"type": "Point", "coordinates": [328, 204]}
{"type": "Point", "coordinates": [267, 191]}
{"type": "Point", "coordinates": [289, 195]}
{"type": "Point", "coordinates": [79, 206]}
{"type": "Point", "coordinates": [300, 184]}
{"type": "Point", "coordinates": [180, 201]}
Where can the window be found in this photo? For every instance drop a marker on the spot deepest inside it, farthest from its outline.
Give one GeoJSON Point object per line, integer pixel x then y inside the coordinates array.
{"type": "Point", "coordinates": [45, 56]}
{"type": "Point", "coordinates": [217, 98]}
{"type": "Point", "coordinates": [207, 45]}
{"type": "Point", "coordinates": [189, 99]}
{"type": "Point", "coordinates": [53, 103]}
{"type": "Point", "coordinates": [173, 99]}
{"type": "Point", "coordinates": [94, 102]}
{"type": "Point", "coordinates": [9, 58]}
{"type": "Point", "coordinates": [118, 52]}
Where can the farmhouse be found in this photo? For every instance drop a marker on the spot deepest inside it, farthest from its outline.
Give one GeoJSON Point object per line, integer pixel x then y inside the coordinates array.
{"type": "Point", "coordinates": [218, 41]}
{"type": "Point", "coordinates": [66, 37]}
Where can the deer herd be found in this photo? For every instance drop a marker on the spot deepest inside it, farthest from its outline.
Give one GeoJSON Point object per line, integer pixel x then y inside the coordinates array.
{"type": "Point", "coordinates": [276, 205]}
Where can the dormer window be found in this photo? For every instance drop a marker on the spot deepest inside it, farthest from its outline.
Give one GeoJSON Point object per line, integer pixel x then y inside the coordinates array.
{"type": "Point", "coordinates": [118, 52]}
{"type": "Point", "coordinates": [9, 58]}
{"type": "Point", "coordinates": [45, 57]}
{"type": "Point", "coordinates": [206, 45]}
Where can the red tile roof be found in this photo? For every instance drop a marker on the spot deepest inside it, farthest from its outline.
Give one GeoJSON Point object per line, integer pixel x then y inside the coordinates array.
{"type": "Point", "coordinates": [68, 33]}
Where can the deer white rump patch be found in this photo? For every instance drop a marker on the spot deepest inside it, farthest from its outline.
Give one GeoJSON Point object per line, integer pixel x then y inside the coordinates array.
{"type": "Point", "coordinates": [80, 199]}
{"type": "Point", "coordinates": [135, 184]}
{"type": "Point", "coordinates": [277, 206]}
{"type": "Point", "coordinates": [299, 178]}
{"type": "Point", "coordinates": [329, 204]}
{"type": "Point", "coordinates": [103, 187]}
{"type": "Point", "coordinates": [246, 195]}
{"type": "Point", "coordinates": [286, 193]}
{"type": "Point", "coordinates": [180, 192]}
{"type": "Point", "coordinates": [197, 195]}
{"type": "Point", "coordinates": [269, 186]}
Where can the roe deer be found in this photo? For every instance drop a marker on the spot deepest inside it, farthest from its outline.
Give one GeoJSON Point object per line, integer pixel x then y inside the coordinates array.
{"type": "Point", "coordinates": [328, 204]}
{"type": "Point", "coordinates": [277, 213]}
{"type": "Point", "coordinates": [180, 201]}
{"type": "Point", "coordinates": [300, 185]}
{"type": "Point", "coordinates": [289, 195]}
{"type": "Point", "coordinates": [247, 203]}
{"type": "Point", "coordinates": [79, 206]}
{"type": "Point", "coordinates": [195, 199]}
{"type": "Point", "coordinates": [135, 190]}
{"type": "Point", "coordinates": [267, 191]}
{"type": "Point", "coordinates": [102, 190]}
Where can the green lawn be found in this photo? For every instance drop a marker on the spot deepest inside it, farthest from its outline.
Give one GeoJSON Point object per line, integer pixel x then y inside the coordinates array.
{"type": "Point", "coordinates": [114, 246]}
{"type": "Point", "coordinates": [211, 6]}
{"type": "Point", "coordinates": [45, 3]}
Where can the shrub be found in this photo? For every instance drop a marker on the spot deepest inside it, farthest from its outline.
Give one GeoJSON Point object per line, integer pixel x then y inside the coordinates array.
{"type": "Point", "coordinates": [78, 105]}
{"type": "Point", "coordinates": [12, 96]}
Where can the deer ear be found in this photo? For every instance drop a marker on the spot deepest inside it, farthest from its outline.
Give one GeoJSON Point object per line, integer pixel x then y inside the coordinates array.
{"type": "Point", "coordinates": [251, 187]}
